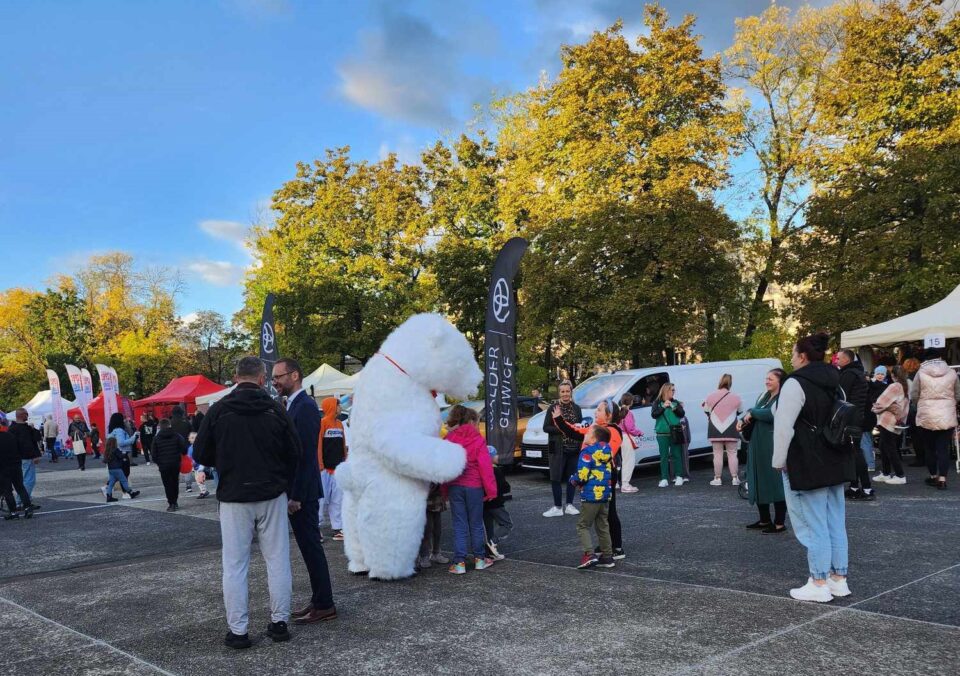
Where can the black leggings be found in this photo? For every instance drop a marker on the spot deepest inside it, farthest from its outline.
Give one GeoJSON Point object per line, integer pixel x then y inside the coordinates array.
{"type": "Point", "coordinates": [779, 512]}
{"type": "Point", "coordinates": [82, 460]}
{"type": "Point", "coordinates": [936, 444]}
{"type": "Point", "coordinates": [863, 472]}
{"type": "Point", "coordinates": [890, 453]}
{"type": "Point", "coordinates": [170, 475]}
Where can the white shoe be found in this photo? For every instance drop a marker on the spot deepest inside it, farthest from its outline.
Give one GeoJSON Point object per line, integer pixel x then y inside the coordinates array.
{"type": "Point", "coordinates": [897, 480]}
{"type": "Point", "coordinates": [812, 592]}
{"type": "Point", "coordinates": [678, 481]}
{"type": "Point", "coordinates": [126, 496]}
{"type": "Point", "coordinates": [571, 510]}
{"type": "Point", "coordinates": [736, 481]}
{"type": "Point", "coordinates": [716, 482]}
{"type": "Point", "coordinates": [882, 478]}
{"type": "Point", "coordinates": [553, 511]}
{"type": "Point", "coordinates": [103, 489]}
{"type": "Point", "coordinates": [663, 483]}
{"type": "Point", "coordinates": [838, 587]}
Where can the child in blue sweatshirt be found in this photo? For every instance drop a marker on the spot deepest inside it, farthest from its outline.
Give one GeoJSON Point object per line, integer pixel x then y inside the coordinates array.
{"type": "Point", "coordinates": [593, 476]}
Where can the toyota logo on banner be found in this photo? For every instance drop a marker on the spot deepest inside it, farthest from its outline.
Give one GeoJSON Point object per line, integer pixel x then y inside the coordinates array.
{"type": "Point", "coordinates": [267, 338]}
{"type": "Point", "coordinates": [501, 300]}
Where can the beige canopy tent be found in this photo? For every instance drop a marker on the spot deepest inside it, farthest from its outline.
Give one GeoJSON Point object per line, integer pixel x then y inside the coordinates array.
{"type": "Point", "coordinates": [207, 399]}
{"type": "Point", "coordinates": [323, 375]}
{"type": "Point", "coordinates": [333, 388]}
{"type": "Point", "coordinates": [942, 317]}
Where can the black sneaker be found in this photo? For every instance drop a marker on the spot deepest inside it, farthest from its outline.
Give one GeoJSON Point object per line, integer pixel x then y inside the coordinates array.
{"type": "Point", "coordinates": [172, 508]}
{"type": "Point", "coordinates": [867, 497]}
{"type": "Point", "coordinates": [852, 494]}
{"type": "Point", "coordinates": [619, 554]}
{"type": "Point", "coordinates": [930, 481]}
{"type": "Point", "coordinates": [238, 642]}
{"type": "Point", "coordinates": [110, 498]}
{"type": "Point", "coordinates": [134, 494]}
{"type": "Point", "coordinates": [278, 632]}
{"type": "Point", "coordinates": [11, 516]}
{"type": "Point", "coordinates": [605, 562]}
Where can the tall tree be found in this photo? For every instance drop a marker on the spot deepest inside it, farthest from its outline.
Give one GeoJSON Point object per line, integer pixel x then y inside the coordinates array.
{"type": "Point", "coordinates": [784, 62]}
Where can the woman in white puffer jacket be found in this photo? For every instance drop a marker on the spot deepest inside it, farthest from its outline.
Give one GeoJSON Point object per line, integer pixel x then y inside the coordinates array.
{"type": "Point", "coordinates": [936, 393]}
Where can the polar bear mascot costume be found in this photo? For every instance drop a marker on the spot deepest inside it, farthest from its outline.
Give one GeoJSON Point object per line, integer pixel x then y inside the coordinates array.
{"type": "Point", "coordinates": [395, 445]}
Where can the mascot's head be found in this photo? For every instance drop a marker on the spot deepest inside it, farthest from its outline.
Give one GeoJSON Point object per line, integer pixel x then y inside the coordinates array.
{"type": "Point", "coordinates": [434, 354]}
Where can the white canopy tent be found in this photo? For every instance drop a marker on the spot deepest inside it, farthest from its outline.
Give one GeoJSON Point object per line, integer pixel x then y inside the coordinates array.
{"type": "Point", "coordinates": [324, 374]}
{"type": "Point", "coordinates": [942, 317]}
{"type": "Point", "coordinates": [207, 399]}
{"type": "Point", "coordinates": [42, 405]}
{"type": "Point", "coordinates": [332, 388]}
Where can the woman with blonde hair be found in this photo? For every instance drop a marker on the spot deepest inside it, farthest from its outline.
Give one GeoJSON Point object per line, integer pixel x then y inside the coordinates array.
{"type": "Point", "coordinates": [722, 408]}
{"type": "Point", "coordinates": [668, 412]}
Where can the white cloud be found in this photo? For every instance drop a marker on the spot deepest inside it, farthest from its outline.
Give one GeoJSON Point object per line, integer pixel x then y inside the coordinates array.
{"type": "Point", "coordinates": [407, 70]}
{"type": "Point", "coordinates": [230, 231]}
{"type": "Point", "coordinates": [218, 273]}
{"type": "Point", "coordinates": [189, 318]}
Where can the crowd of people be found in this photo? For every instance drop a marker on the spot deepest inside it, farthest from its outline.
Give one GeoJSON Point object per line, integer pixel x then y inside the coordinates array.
{"type": "Point", "coordinates": [274, 463]}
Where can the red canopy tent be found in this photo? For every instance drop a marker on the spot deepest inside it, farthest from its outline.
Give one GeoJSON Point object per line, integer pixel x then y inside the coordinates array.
{"type": "Point", "coordinates": [96, 410]}
{"type": "Point", "coordinates": [182, 391]}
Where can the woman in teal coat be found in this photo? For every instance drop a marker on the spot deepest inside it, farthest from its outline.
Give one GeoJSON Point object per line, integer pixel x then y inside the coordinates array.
{"type": "Point", "coordinates": [764, 482]}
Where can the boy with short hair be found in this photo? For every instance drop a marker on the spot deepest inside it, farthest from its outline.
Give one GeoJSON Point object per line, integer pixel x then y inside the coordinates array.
{"type": "Point", "coordinates": [593, 476]}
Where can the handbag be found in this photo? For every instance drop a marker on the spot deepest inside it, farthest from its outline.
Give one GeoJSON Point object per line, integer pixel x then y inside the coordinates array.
{"type": "Point", "coordinates": [746, 430]}
{"type": "Point", "coordinates": [186, 464]}
{"type": "Point", "coordinates": [676, 435]}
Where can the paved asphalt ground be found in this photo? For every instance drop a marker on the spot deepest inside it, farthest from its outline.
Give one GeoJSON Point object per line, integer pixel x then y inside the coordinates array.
{"type": "Point", "coordinates": [87, 588]}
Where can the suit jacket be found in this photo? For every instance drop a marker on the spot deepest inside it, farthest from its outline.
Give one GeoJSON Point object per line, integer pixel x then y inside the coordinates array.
{"type": "Point", "coordinates": [306, 419]}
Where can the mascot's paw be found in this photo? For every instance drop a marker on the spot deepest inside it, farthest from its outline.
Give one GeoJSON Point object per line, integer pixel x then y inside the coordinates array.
{"type": "Point", "coordinates": [357, 568]}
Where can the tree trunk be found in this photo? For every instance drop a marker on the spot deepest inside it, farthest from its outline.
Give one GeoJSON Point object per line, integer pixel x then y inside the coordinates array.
{"type": "Point", "coordinates": [548, 356]}
{"type": "Point", "coordinates": [763, 282]}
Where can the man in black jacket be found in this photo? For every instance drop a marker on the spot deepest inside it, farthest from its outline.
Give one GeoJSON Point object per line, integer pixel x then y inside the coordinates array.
{"type": "Point", "coordinates": [168, 448]}
{"type": "Point", "coordinates": [562, 452]}
{"type": "Point", "coordinates": [305, 492]}
{"type": "Point", "coordinates": [853, 382]}
{"type": "Point", "coordinates": [29, 441]}
{"type": "Point", "coordinates": [12, 476]}
{"type": "Point", "coordinates": [252, 442]}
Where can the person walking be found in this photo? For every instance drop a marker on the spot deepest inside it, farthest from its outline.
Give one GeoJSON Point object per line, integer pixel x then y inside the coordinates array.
{"type": "Point", "coordinates": [936, 392]}
{"type": "Point", "coordinates": [562, 451]}
{"type": "Point", "coordinates": [168, 451]}
{"type": "Point", "coordinates": [95, 440]}
{"type": "Point", "coordinates": [29, 443]}
{"type": "Point", "coordinates": [148, 430]}
{"type": "Point", "coordinates": [856, 390]}
{"type": "Point", "coordinates": [305, 492]}
{"type": "Point", "coordinates": [814, 474]}
{"type": "Point", "coordinates": [765, 483]}
{"type": "Point", "coordinates": [50, 431]}
{"type": "Point", "coordinates": [892, 409]}
{"type": "Point", "coordinates": [331, 452]}
{"type": "Point", "coordinates": [253, 443]}
{"type": "Point", "coordinates": [125, 441]}
{"type": "Point", "coordinates": [11, 478]}
{"type": "Point", "coordinates": [668, 413]}
{"type": "Point", "coordinates": [78, 433]}
{"type": "Point", "coordinates": [114, 460]}
{"type": "Point", "coordinates": [722, 408]}
{"type": "Point", "coordinates": [179, 422]}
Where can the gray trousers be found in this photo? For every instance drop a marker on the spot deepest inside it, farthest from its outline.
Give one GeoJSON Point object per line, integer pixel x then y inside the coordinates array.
{"type": "Point", "coordinates": [239, 521]}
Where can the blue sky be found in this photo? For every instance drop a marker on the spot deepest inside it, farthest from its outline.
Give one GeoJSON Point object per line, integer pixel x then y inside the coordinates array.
{"type": "Point", "coordinates": [162, 127]}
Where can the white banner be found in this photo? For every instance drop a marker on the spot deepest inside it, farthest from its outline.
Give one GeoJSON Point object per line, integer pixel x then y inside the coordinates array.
{"type": "Point", "coordinates": [59, 415]}
{"type": "Point", "coordinates": [87, 388]}
{"type": "Point", "coordinates": [76, 382]}
{"type": "Point", "coordinates": [109, 395]}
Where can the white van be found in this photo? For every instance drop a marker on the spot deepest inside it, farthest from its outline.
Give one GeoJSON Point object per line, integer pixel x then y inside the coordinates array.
{"type": "Point", "coordinates": [693, 382]}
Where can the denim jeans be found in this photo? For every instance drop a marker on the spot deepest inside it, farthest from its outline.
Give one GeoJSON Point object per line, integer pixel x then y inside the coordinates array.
{"type": "Point", "coordinates": [466, 507]}
{"type": "Point", "coordinates": [116, 477]}
{"type": "Point", "coordinates": [866, 445]}
{"type": "Point", "coordinates": [29, 477]}
{"type": "Point", "coordinates": [819, 522]}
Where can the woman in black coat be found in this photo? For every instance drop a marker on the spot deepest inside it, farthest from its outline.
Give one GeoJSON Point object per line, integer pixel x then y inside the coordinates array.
{"type": "Point", "coordinates": [562, 451]}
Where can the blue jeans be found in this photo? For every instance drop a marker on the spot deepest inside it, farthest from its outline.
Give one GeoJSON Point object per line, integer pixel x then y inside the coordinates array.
{"type": "Point", "coordinates": [466, 507]}
{"type": "Point", "coordinates": [819, 522]}
{"type": "Point", "coordinates": [116, 477]}
{"type": "Point", "coordinates": [866, 445]}
{"type": "Point", "coordinates": [29, 477]}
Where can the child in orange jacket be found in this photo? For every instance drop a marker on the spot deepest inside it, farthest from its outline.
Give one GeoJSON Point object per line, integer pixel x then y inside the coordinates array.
{"type": "Point", "coordinates": [331, 451]}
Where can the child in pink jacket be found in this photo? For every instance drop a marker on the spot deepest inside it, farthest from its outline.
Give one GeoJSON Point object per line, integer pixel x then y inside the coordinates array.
{"type": "Point", "coordinates": [468, 491]}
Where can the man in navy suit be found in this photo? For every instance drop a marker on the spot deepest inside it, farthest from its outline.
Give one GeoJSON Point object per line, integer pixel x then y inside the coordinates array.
{"type": "Point", "coordinates": [305, 492]}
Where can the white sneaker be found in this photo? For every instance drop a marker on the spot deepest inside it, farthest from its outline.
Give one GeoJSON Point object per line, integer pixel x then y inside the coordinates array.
{"type": "Point", "coordinates": [838, 587]}
{"type": "Point", "coordinates": [663, 483]}
{"type": "Point", "coordinates": [553, 511]}
{"type": "Point", "coordinates": [897, 480]}
{"type": "Point", "coordinates": [103, 489]}
{"type": "Point", "coordinates": [882, 478]}
{"type": "Point", "coordinates": [736, 481]}
{"type": "Point", "coordinates": [571, 510]}
{"type": "Point", "coordinates": [716, 482]}
{"type": "Point", "coordinates": [126, 496]}
{"type": "Point", "coordinates": [812, 592]}
{"type": "Point", "coordinates": [678, 481]}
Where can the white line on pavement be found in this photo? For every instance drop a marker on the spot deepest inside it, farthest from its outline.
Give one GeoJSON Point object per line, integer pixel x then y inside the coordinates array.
{"type": "Point", "coordinates": [92, 639]}
{"type": "Point", "coordinates": [107, 505]}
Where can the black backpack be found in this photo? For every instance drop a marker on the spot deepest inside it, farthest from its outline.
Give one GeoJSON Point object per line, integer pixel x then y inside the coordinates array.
{"type": "Point", "coordinates": [841, 425]}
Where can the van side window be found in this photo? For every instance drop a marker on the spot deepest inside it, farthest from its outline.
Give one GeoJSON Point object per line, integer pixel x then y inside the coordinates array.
{"type": "Point", "coordinates": [646, 389]}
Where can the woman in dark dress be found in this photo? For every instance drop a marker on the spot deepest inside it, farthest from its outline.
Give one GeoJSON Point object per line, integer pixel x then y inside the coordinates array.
{"type": "Point", "coordinates": [764, 482]}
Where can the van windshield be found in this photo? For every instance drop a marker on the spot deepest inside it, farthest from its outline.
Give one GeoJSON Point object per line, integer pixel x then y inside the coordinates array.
{"type": "Point", "coordinates": [592, 391]}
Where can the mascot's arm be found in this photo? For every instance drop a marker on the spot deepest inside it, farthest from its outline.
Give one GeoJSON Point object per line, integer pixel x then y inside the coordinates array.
{"type": "Point", "coordinates": [418, 456]}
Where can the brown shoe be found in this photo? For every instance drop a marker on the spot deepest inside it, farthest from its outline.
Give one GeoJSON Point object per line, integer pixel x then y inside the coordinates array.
{"type": "Point", "coordinates": [303, 612]}
{"type": "Point", "coordinates": [317, 615]}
